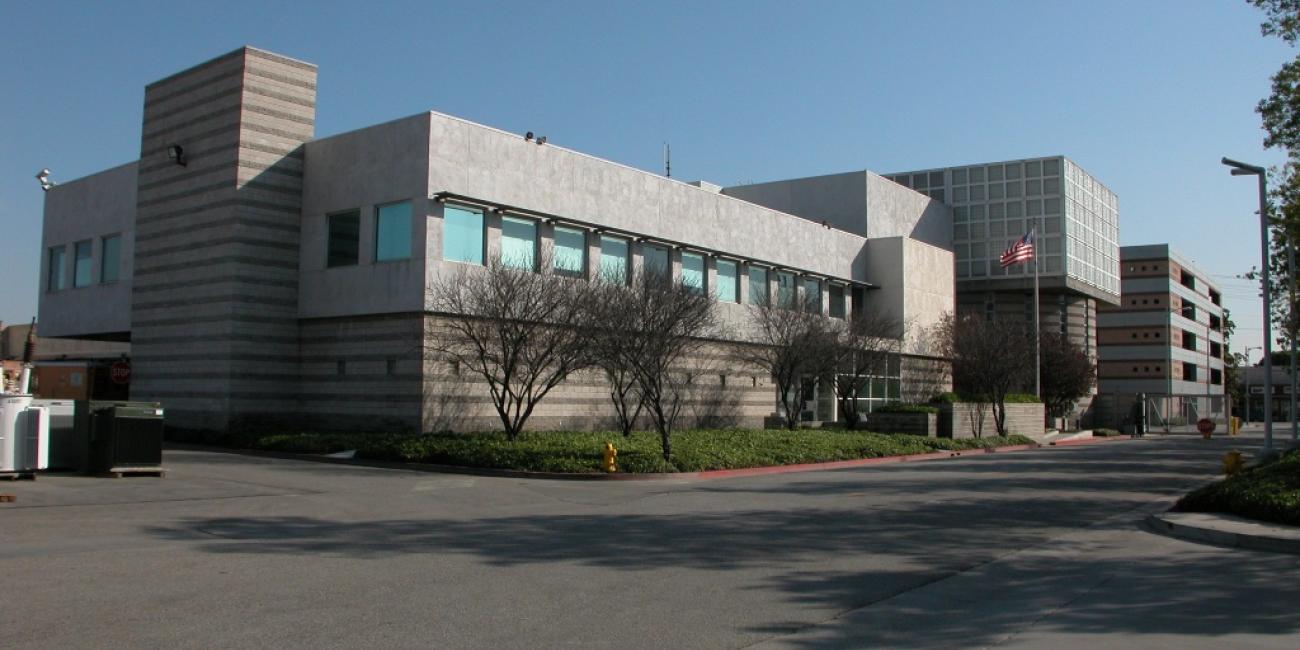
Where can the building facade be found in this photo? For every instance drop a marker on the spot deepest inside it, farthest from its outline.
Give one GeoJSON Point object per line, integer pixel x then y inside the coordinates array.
{"type": "Point", "coordinates": [261, 274]}
{"type": "Point", "coordinates": [992, 205]}
{"type": "Point", "coordinates": [1076, 223]}
{"type": "Point", "coordinates": [1075, 218]}
{"type": "Point", "coordinates": [1164, 340]}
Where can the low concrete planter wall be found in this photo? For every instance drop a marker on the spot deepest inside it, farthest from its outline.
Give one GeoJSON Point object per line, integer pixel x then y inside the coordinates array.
{"type": "Point", "coordinates": [955, 420]}
{"type": "Point", "coordinates": [920, 424]}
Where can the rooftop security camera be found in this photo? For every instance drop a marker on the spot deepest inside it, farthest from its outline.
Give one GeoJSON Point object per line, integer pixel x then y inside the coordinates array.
{"type": "Point", "coordinates": [528, 137]}
{"type": "Point", "coordinates": [43, 177]}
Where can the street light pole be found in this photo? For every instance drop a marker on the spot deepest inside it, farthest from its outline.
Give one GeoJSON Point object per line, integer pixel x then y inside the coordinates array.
{"type": "Point", "coordinates": [1242, 169]}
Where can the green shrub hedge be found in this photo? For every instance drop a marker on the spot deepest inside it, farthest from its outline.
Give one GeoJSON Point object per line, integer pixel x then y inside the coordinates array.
{"type": "Point", "coordinates": [580, 451]}
{"type": "Point", "coordinates": [1012, 398]}
{"type": "Point", "coordinates": [1269, 492]}
{"type": "Point", "coordinates": [906, 407]}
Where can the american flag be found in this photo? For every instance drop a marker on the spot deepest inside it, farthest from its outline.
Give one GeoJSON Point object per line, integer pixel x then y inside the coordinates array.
{"type": "Point", "coordinates": [1020, 252]}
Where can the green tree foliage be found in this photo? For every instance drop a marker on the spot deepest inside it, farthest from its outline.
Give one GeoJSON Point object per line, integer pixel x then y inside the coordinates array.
{"type": "Point", "coordinates": [1280, 117]}
{"type": "Point", "coordinates": [1067, 372]}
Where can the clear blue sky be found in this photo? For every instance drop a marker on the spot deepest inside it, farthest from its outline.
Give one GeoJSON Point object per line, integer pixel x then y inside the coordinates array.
{"type": "Point", "coordinates": [1147, 96]}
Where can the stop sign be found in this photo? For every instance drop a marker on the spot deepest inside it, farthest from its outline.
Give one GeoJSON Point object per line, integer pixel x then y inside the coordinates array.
{"type": "Point", "coordinates": [120, 373]}
{"type": "Point", "coordinates": [1205, 426]}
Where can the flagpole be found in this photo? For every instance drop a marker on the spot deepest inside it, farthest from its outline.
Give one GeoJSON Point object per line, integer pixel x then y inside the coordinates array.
{"type": "Point", "coordinates": [1038, 335]}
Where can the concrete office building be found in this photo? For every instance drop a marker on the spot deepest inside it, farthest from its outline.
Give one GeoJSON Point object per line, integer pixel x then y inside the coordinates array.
{"type": "Point", "coordinates": [1250, 380]}
{"type": "Point", "coordinates": [1164, 340]}
{"type": "Point", "coordinates": [1077, 240]}
{"type": "Point", "coordinates": [992, 205]}
{"type": "Point", "coordinates": [260, 274]}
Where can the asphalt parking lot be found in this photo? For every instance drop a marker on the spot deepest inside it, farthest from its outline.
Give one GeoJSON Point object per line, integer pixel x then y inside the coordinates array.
{"type": "Point", "coordinates": [1026, 549]}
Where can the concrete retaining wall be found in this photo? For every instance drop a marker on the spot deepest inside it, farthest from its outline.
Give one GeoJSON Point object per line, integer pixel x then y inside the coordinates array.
{"type": "Point", "coordinates": [955, 420]}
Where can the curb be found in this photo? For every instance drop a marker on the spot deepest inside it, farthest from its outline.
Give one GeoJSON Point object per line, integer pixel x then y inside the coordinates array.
{"type": "Point", "coordinates": [1090, 441]}
{"type": "Point", "coordinates": [560, 476]}
{"type": "Point", "coordinates": [1160, 523]}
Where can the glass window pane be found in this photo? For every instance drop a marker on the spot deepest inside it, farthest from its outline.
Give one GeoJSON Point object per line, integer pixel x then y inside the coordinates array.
{"type": "Point", "coordinates": [393, 232]}
{"type": "Point", "coordinates": [56, 273]}
{"type": "Point", "coordinates": [655, 261]}
{"type": "Point", "coordinates": [82, 253]}
{"type": "Point", "coordinates": [757, 285]}
{"type": "Point", "coordinates": [693, 271]}
{"type": "Point", "coordinates": [784, 289]}
{"type": "Point", "coordinates": [837, 301]}
{"type": "Point", "coordinates": [613, 260]}
{"type": "Point", "coordinates": [462, 235]}
{"type": "Point", "coordinates": [110, 261]}
{"type": "Point", "coordinates": [343, 240]}
{"type": "Point", "coordinates": [518, 243]}
{"type": "Point", "coordinates": [570, 252]}
{"type": "Point", "coordinates": [727, 287]}
{"type": "Point", "coordinates": [812, 294]}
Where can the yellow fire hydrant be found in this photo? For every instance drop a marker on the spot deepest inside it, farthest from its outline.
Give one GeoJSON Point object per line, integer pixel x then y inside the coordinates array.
{"type": "Point", "coordinates": [609, 455]}
{"type": "Point", "coordinates": [1232, 463]}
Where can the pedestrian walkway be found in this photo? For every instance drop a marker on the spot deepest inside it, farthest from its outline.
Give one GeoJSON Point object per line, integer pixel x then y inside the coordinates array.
{"type": "Point", "coordinates": [1227, 530]}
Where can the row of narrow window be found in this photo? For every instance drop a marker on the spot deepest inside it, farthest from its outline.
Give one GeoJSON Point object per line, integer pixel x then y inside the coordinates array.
{"type": "Point", "coordinates": [464, 237]}
{"type": "Point", "coordinates": [110, 259]}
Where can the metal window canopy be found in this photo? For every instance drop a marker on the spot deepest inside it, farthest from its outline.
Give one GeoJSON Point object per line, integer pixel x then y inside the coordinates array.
{"type": "Point", "coordinates": [553, 219]}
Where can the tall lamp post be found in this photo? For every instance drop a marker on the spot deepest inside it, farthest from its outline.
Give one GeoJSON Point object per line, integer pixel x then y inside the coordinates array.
{"type": "Point", "coordinates": [1242, 169]}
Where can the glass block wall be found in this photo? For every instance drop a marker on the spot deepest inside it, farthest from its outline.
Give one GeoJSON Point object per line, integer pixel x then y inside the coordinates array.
{"type": "Point", "coordinates": [996, 203]}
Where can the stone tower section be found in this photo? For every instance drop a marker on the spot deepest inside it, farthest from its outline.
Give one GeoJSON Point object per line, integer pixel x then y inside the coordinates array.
{"type": "Point", "coordinates": [214, 307]}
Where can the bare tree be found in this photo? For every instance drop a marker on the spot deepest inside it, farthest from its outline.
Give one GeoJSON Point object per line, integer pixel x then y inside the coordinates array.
{"type": "Point", "coordinates": [1068, 373]}
{"type": "Point", "coordinates": [927, 372]}
{"type": "Point", "coordinates": [665, 323]}
{"type": "Point", "coordinates": [991, 358]}
{"type": "Point", "coordinates": [794, 343]}
{"type": "Point", "coordinates": [613, 339]}
{"type": "Point", "coordinates": [524, 332]}
{"type": "Point", "coordinates": [863, 348]}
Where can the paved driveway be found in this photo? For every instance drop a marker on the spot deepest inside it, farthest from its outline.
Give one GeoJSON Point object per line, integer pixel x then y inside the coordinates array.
{"type": "Point", "coordinates": [1033, 549]}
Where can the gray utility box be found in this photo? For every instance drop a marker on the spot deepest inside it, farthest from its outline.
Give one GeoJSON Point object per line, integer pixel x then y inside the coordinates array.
{"type": "Point", "coordinates": [123, 436]}
{"type": "Point", "coordinates": [66, 450]}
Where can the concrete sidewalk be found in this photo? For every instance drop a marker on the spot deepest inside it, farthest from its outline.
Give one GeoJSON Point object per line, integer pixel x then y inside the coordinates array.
{"type": "Point", "coordinates": [1227, 530]}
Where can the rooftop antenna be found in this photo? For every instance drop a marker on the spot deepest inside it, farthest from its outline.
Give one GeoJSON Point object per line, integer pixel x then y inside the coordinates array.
{"type": "Point", "coordinates": [668, 161]}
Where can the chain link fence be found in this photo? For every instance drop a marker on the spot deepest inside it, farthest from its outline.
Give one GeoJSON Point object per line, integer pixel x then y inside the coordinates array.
{"type": "Point", "coordinates": [1163, 413]}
